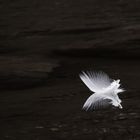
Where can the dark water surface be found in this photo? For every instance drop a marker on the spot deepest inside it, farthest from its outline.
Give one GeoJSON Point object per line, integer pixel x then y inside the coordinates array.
{"type": "Point", "coordinates": [44, 45]}
{"type": "Point", "coordinates": [54, 111]}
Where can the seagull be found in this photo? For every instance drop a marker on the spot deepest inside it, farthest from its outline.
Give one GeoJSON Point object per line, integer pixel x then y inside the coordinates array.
{"type": "Point", "coordinates": [105, 90]}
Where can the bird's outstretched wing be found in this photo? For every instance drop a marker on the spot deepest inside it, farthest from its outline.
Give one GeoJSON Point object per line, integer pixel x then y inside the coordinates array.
{"type": "Point", "coordinates": [95, 81]}
{"type": "Point", "coordinates": [95, 102]}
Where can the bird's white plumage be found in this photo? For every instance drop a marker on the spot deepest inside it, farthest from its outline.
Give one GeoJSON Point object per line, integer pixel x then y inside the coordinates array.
{"type": "Point", "coordinates": [105, 91]}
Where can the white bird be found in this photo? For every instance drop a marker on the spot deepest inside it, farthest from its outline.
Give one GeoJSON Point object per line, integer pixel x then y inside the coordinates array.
{"type": "Point", "coordinates": [105, 90]}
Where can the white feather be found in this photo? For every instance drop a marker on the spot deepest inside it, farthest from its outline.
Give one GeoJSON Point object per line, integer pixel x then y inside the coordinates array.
{"type": "Point", "coordinates": [95, 81]}
{"type": "Point", "coordinates": [106, 92]}
{"type": "Point", "coordinates": [96, 102]}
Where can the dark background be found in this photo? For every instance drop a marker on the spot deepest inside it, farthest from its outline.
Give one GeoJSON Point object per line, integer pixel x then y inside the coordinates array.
{"type": "Point", "coordinates": [44, 45]}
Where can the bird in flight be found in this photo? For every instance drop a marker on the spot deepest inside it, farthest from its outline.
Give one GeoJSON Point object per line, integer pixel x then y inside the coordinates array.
{"type": "Point", "coordinates": [105, 90]}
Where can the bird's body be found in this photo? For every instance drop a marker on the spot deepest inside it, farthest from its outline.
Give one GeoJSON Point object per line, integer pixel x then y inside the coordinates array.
{"type": "Point", "coordinates": [105, 91]}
